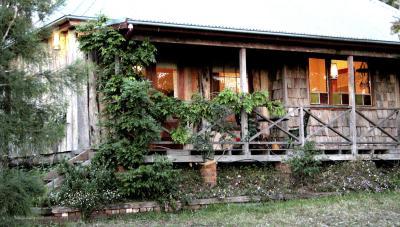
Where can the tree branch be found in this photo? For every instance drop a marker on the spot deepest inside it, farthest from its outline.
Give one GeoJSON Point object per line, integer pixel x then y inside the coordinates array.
{"type": "Point", "coordinates": [10, 25]}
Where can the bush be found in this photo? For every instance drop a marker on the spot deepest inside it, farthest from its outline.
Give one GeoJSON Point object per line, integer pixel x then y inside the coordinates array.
{"type": "Point", "coordinates": [248, 180]}
{"type": "Point", "coordinates": [353, 176]}
{"type": "Point", "coordinates": [394, 177]}
{"type": "Point", "coordinates": [86, 188]}
{"type": "Point", "coordinates": [17, 191]}
{"type": "Point", "coordinates": [303, 164]}
{"type": "Point", "coordinates": [156, 181]}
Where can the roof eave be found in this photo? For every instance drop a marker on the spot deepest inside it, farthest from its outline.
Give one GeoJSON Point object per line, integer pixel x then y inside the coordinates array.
{"type": "Point", "coordinates": [259, 32]}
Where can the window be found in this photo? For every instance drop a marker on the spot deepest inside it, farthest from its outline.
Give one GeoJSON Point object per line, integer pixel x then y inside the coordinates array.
{"type": "Point", "coordinates": [362, 83]}
{"type": "Point", "coordinates": [328, 80]}
{"type": "Point", "coordinates": [318, 82]}
{"type": "Point", "coordinates": [165, 79]}
{"type": "Point", "coordinates": [339, 83]}
{"type": "Point", "coordinates": [225, 78]}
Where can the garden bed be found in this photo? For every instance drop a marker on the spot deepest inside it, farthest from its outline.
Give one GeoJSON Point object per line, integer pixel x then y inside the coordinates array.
{"type": "Point", "coordinates": [141, 207]}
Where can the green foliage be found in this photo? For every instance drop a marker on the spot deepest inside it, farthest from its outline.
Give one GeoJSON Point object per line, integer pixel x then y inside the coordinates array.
{"type": "Point", "coordinates": [86, 188]}
{"type": "Point", "coordinates": [30, 122]}
{"type": "Point", "coordinates": [394, 3]}
{"type": "Point", "coordinates": [156, 181]}
{"type": "Point", "coordinates": [203, 142]}
{"type": "Point", "coordinates": [110, 44]}
{"type": "Point", "coordinates": [214, 112]}
{"type": "Point", "coordinates": [17, 191]}
{"type": "Point", "coordinates": [134, 112]}
{"type": "Point", "coordinates": [303, 164]}
{"type": "Point", "coordinates": [249, 101]}
{"type": "Point", "coordinates": [396, 26]}
{"type": "Point", "coordinates": [17, 33]}
{"type": "Point", "coordinates": [131, 114]}
{"type": "Point", "coordinates": [180, 135]}
{"type": "Point", "coordinates": [32, 107]}
{"type": "Point", "coordinates": [230, 99]}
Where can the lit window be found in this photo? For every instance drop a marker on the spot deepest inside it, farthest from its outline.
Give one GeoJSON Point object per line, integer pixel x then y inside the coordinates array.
{"type": "Point", "coordinates": [165, 79]}
{"type": "Point", "coordinates": [362, 83]}
{"type": "Point", "coordinates": [225, 78]}
{"type": "Point", "coordinates": [339, 83]}
{"type": "Point", "coordinates": [330, 85]}
{"type": "Point", "coordinates": [318, 82]}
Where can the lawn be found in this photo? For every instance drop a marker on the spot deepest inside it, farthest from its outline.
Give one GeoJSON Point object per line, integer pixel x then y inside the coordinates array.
{"type": "Point", "coordinates": [355, 209]}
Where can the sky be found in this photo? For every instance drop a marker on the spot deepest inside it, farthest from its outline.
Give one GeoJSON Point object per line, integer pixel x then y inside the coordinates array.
{"type": "Point", "coordinates": [360, 19]}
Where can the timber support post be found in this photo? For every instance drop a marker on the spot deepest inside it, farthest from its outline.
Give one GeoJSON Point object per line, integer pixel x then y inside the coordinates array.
{"type": "Point", "coordinates": [116, 65]}
{"type": "Point", "coordinates": [245, 89]}
{"type": "Point", "coordinates": [301, 126]}
{"type": "Point", "coordinates": [93, 113]}
{"type": "Point", "coordinates": [352, 102]}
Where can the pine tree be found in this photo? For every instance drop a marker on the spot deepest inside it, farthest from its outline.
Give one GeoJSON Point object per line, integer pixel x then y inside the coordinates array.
{"type": "Point", "coordinates": [31, 102]}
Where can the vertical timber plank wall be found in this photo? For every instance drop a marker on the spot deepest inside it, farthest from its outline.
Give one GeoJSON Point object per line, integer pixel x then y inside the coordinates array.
{"type": "Point", "coordinates": [77, 130]}
{"type": "Point", "coordinates": [296, 87]}
{"type": "Point", "coordinates": [385, 95]}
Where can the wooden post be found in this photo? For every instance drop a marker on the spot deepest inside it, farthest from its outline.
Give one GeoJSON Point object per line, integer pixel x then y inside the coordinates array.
{"type": "Point", "coordinates": [116, 69]}
{"type": "Point", "coordinates": [301, 126]}
{"type": "Point", "coordinates": [352, 103]}
{"type": "Point", "coordinates": [284, 86]}
{"type": "Point", "coordinates": [94, 135]}
{"type": "Point", "coordinates": [245, 89]}
{"type": "Point", "coordinates": [205, 83]}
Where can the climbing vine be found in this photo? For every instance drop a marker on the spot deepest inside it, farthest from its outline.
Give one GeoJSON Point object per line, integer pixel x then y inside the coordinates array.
{"type": "Point", "coordinates": [131, 121]}
{"type": "Point", "coordinates": [134, 111]}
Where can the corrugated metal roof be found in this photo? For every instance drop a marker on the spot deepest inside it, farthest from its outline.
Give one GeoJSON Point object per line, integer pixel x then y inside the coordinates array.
{"type": "Point", "coordinates": [363, 20]}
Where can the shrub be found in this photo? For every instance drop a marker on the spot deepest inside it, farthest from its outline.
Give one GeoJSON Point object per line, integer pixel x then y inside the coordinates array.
{"type": "Point", "coordinates": [17, 191]}
{"type": "Point", "coordinates": [248, 180]}
{"type": "Point", "coordinates": [353, 176]}
{"type": "Point", "coordinates": [86, 188]}
{"type": "Point", "coordinates": [394, 177]}
{"type": "Point", "coordinates": [155, 181]}
{"type": "Point", "coordinates": [303, 164]}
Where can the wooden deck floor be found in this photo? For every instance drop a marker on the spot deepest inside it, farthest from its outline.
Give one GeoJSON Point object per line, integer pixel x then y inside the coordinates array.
{"type": "Point", "coordinates": [182, 156]}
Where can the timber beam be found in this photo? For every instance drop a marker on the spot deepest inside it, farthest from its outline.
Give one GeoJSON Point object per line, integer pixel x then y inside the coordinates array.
{"type": "Point", "coordinates": [265, 42]}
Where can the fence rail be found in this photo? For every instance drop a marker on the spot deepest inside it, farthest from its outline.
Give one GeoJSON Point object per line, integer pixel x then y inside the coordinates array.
{"type": "Point", "coordinates": [326, 126]}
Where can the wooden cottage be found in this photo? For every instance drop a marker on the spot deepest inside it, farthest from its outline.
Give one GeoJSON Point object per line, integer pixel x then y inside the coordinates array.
{"type": "Point", "coordinates": [334, 65]}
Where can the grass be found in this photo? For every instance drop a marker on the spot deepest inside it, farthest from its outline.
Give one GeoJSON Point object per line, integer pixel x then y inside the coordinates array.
{"type": "Point", "coordinates": [380, 209]}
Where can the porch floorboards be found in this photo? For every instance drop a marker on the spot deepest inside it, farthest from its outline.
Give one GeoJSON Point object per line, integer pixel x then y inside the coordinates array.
{"type": "Point", "coordinates": [182, 156]}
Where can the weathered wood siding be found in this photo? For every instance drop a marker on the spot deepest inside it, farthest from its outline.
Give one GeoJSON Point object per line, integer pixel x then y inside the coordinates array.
{"type": "Point", "coordinates": [385, 94]}
{"type": "Point", "coordinates": [78, 125]}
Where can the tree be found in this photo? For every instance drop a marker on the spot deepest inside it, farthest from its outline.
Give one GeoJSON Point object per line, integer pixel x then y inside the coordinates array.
{"type": "Point", "coordinates": [31, 107]}
{"type": "Point", "coordinates": [394, 3]}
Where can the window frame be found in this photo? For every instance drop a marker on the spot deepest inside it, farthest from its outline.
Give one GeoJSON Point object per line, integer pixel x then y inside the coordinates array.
{"type": "Point", "coordinates": [328, 62]}
{"type": "Point", "coordinates": [224, 69]}
{"type": "Point", "coordinates": [151, 74]}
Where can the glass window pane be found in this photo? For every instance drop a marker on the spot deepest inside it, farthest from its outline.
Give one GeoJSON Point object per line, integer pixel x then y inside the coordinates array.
{"type": "Point", "coordinates": [164, 80]}
{"type": "Point", "coordinates": [339, 77]}
{"type": "Point", "coordinates": [314, 98]}
{"type": "Point", "coordinates": [367, 100]}
{"type": "Point", "coordinates": [359, 100]}
{"type": "Point", "coordinates": [336, 99]}
{"type": "Point", "coordinates": [362, 79]}
{"type": "Point", "coordinates": [345, 99]}
{"type": "Point", "coordinates": [324, 98]}
{"type": "Point", "coordinates": [225, 78]}
{"type": "Point", "coordinates": [317, 75]}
